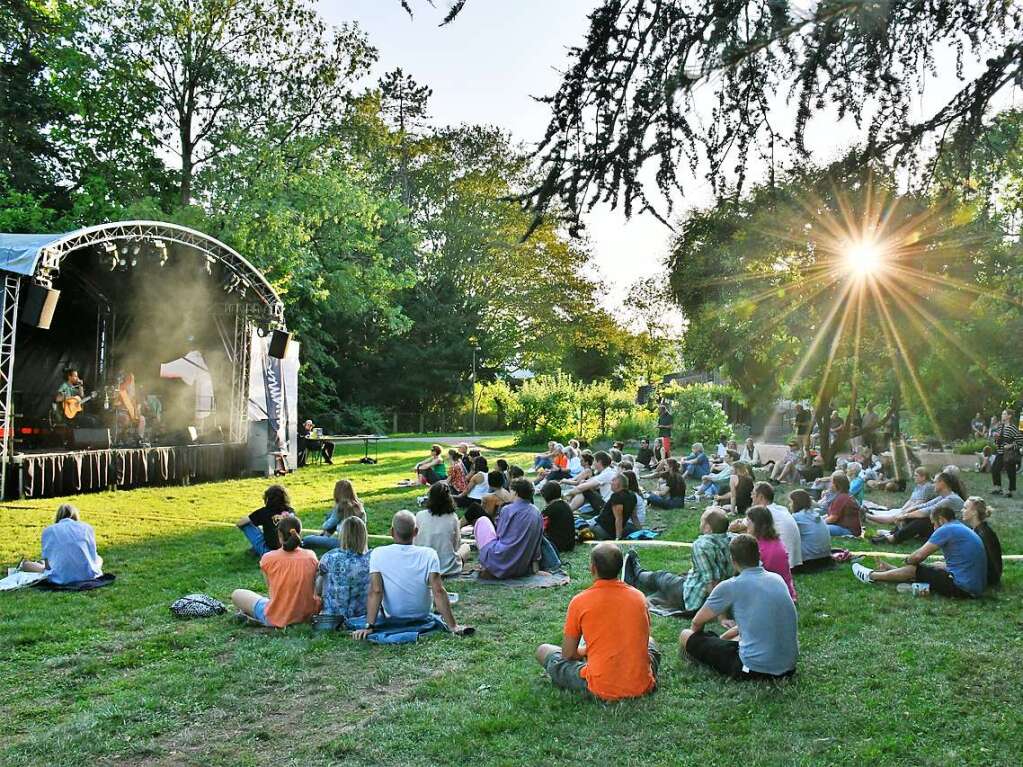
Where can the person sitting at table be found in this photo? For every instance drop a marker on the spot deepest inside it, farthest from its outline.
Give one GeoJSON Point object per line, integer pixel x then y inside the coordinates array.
{"type": "Point", "coordinates": [346, 504]}
{"type": "Point", "coordinates": [307, 441]}
{"type": "Point", "coordinates": [69, 550]}
{"type": "Point", "coordinates": [432, 469]}
{"type": "Point", "coordinates": [519, 531]}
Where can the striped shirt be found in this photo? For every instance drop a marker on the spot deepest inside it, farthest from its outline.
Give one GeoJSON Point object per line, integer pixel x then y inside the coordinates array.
{"type": "Point", "coordinates": [1005, 434]}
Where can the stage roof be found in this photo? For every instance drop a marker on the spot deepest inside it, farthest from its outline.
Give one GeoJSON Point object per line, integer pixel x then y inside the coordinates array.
{"type": "Point", "coordinates": [19, 253]}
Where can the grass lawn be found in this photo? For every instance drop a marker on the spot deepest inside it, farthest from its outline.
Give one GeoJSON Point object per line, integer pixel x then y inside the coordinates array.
{"type": "Point", "coordinates": [109, 677]}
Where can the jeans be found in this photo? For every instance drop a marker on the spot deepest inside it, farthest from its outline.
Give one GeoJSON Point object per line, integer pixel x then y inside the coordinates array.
{"type": "Point", "coordinates": [605, 535]}
{"type": "Point", "coordinates": [259, 611]}
{"type": "Point", "coordinates": [255, 536]}
{"type": "Point", "coordinates": [665, 502]}
{"type": "Point", "coordinates": [913, 528]}
{"type": "Point", "coordinates": [837, 531]}
{"type": "Point", "coordinates": [667, 587]}
{"type": "Point", "coordinates": [543, 462]}
{"type": "Point", "coordinates": [325, 542]}
{"type": "Point", "coordinates": [998, 467]}
{"type": "Point", "coordinates": [549, 560]}
{"type": "Point", "coordinates": [555, 474]}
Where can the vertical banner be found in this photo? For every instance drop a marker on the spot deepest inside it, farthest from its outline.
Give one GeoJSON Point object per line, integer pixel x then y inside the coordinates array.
{"type": "Point", "coordinates": [273, 396]}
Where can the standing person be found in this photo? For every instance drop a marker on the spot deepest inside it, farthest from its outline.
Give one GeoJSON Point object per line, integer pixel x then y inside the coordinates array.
{"type": "Point", "coordinates": [964, 572]}
{"type": "Point", "coordinates": [558, 522]}
{"type": "Point", "coordinates": [342, 580]}
{"type": "Point", "coordinates": [437, 528]}
{"type": "Point", "coordinates": [814, 536]}
{"type": "Point", "coordinates": [801, 424]}
{"type": "Point", "coordinates": [674, 496]}
{"type": "Point", "coordinates": [69, 550]}
{"type": "Point", "coordinates": [975, 515]}
{"type": "Point", "coordinates": [519, 530]}
{"type": "Point", "coordinates": [711, 564]}
{"type": "Point", "coordinates": [764, 643]}
{"type": "Point", "coordinates": [1008, 441]}
{"type": "Point", "coordinates": [619, 659]}
{"type": "Point", "coordinates": [432, 469]}
{"type": "Point", "coordinates": [276, 505]}
{"type": "Point", "coordinates": [290, 576]}
{"type": "Point", "coordinates": [665, 423]}
{"type": "Point", "coordinates": [346, 504]}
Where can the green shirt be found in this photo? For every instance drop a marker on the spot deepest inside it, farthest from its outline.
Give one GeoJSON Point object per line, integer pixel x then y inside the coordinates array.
{"type": "Point", "coordinates": [712, 562]}
{"type": "Point", "coordinates": [69, 390]}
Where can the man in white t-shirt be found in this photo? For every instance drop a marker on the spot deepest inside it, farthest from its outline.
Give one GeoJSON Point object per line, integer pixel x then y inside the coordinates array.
{"type": "Point", "coordinates": [597, 489]}
{"type": "Point", "coordinates": [405, 580]}
{"type": "Point", "coordinates": [784, 523]}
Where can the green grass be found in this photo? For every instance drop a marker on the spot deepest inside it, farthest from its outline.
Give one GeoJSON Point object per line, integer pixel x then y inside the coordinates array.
{"type": "Point", "coordinates": [109, 677]}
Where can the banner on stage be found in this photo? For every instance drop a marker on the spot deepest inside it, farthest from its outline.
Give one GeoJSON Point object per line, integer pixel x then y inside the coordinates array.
{"type": "Point", "coordinates": [273, 396]}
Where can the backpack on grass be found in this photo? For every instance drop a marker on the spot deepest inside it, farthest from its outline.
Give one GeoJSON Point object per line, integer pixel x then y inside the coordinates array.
{"type": "Point", "coordinates": [197, 606]}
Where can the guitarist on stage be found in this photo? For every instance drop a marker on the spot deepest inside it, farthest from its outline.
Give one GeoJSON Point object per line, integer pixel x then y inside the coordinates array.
{"type": "Point", "coordinates": [70, 397]}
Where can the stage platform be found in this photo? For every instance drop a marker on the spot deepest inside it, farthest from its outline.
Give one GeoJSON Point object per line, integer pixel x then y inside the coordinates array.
{"type": "Point", "coordinates": [58, 473]}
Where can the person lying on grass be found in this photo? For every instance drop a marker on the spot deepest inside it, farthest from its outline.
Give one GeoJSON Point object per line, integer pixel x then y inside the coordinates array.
{"type": "Point", "coordinates": [276, 505]}
{"type": "Point", "coordinates": [917, 522]}
{"type": "Point", "coordinates": [290, 577]}
{"type": "Point", "coordinates": [342, 579]}
{"type": "Point", "coordinates": [764, 643]}
{"type": "Point", "coordinates": [964, 572]}
{"type": "Point", "coordinates": [346, 504]}
{"type": "Point", "coordinates": [516, 549]}
{"type": "Point", "coordinates": [404, 582]}
{"type": "Point", "coordinates": [69, 550]}
{"type": "Point", "coordinates": [711, 564]}
{"type": "Point", "coordinates": [618, 658]}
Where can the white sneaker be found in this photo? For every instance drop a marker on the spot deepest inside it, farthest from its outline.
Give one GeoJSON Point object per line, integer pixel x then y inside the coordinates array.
{"type": "Point", "coordinates": [862, 573]}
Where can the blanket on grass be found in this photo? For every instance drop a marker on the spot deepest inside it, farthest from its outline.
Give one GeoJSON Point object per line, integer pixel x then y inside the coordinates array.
{"type": "Point", "coordinates": [104, 580]}
{"type": "Point", "coordinates": [403, 632]}
{"type": "Point", "coordinates": [540, 580]}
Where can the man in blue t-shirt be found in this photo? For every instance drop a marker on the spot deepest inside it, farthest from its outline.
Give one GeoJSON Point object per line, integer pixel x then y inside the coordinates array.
{"type": "Point", "coordinates": [964, 573]}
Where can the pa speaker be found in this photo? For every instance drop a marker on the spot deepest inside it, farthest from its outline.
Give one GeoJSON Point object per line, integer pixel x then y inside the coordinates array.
{"type": "Point", "coordinates": [90, 438]}
{"type": "Point", "coordinates": [40, 304]}
{"type": "Point", "coordinates": [279, 340]}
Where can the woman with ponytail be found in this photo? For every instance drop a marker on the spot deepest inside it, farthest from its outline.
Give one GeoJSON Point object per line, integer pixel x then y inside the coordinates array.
{"type": "Point", "coordinates": [290, 576]}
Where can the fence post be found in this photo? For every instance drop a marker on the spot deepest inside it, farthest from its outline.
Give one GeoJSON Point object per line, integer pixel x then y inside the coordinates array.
{"type": "Point", "coordinates": [394, 422]}
{"type": "Point", "coordinates": [421, 425]}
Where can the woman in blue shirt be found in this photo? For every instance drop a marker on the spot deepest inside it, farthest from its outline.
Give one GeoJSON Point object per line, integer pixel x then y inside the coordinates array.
{"type": "Point", "coordinates": [342, 578]}
{"type": "Point", "coordinates": [69, 550]}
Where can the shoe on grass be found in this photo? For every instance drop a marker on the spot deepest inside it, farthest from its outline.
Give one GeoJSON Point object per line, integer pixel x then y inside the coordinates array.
{"type": "Point", "coordinates": [1008, 495]}
{"type": "Point", "coordinates": [880, 538]}
{"type": "Point", "coordinates": [996, 491]}
{"type": "Point", "coordinates": [862, 573]}
{"type": "Point", "coordinates": [630, 572]}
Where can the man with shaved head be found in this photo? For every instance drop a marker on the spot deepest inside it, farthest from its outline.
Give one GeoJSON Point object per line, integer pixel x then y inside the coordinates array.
{"type": "Point", "coordinates": [618, 659]}
{"type": "Point", "coordinates": [405, 581]}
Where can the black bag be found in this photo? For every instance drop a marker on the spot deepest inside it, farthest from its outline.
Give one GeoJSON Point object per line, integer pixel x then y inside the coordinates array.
{"type": "Point", "coordinates": [197, 606]}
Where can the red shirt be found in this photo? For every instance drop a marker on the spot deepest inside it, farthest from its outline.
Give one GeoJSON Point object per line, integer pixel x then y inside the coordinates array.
{"type": "Point", "coordinates": [612, 617]}
{"type": "Point", "coordinates": [845, 511]}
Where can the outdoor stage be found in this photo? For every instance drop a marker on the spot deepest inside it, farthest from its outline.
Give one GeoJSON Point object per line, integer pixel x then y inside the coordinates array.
{"type": "Point", "coordinates": [188, 371]}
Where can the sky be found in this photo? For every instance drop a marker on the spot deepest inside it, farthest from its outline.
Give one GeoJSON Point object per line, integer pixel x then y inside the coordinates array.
{"type": "Point", "coordinates": [485, 68]}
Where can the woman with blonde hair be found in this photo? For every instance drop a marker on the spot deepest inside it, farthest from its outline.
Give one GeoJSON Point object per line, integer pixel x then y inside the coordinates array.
{"type": "Point", "coordinates": [69, 550]}
{"type": "Point", "coordinates": [342, 579]}
{"type": "Point", "coordinates": [975, 515]}
{"type": "Point", "coordinates": [346, 504]}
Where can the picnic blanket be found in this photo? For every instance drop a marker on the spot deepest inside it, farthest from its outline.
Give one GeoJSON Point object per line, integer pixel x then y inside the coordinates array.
{"type": "Point", "coordinates": [104, 580]}
{"type": "Point", "coordinates": [656, 607]}
{"type": "Point", "coordinates": [20, 580]}
{"type": "Point", "coordinates": [540, 580]}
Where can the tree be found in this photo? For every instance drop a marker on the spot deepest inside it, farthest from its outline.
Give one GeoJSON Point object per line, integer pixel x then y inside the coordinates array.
{"type": "Point", "coordinates": [630, 97]}
{"type": "Point", "coordinates": [227, 72]}
{"type": "Point", "coordinates": [454, 8]}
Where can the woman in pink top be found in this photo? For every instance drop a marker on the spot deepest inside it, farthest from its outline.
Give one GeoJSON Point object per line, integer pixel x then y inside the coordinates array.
{"type": "Point", "coordinates": [773, 556]}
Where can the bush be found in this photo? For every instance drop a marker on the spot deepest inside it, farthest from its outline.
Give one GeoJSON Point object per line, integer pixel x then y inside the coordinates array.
{"type": "Point", "coordinates": [698, 414]}
{"type": "Point", "coordinates": [360, 419]}
{"type": "Point", "coordinates": [640, 424]}
{"type": "Point", "coordinates": [971, 446]}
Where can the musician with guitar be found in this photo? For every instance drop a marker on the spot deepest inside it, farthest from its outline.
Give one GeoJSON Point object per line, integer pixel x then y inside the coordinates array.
{"type": "Point", "coordinates": [71, 399]}
{"type": "Point", "coordinates": [128, 408]}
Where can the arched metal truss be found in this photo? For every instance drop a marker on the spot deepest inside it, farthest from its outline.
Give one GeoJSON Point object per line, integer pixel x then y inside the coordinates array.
{"type": "Point", "coordinates": [234, 321]}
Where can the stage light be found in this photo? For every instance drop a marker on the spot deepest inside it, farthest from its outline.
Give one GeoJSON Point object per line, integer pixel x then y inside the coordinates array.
{"type": "Point", "coordinates": [161, 250]}
{"type": "Point", "coordinates": [864, 259]}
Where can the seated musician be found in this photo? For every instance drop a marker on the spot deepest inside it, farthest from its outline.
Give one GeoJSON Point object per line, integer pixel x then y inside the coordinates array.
{"type": "Point", "coordinates": [70, 398]}
{"type": "Point", "coordinates": [305, 441]}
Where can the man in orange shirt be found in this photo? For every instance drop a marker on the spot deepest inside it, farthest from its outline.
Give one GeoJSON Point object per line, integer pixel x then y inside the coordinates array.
{"type": "Point", "coordinates": [618, 658]}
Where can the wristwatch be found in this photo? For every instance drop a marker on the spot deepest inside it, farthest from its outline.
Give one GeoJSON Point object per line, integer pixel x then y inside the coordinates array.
{"type": "Point", "coordinates": [370, 626]}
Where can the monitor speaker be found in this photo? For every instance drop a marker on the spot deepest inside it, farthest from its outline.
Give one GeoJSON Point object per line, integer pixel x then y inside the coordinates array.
{"type": "Point", "coordinates": [90, 438]}
{"type": "Point", "coordinates": [279, 340]}
{"type": "Point", "coordinates": [40, 304]}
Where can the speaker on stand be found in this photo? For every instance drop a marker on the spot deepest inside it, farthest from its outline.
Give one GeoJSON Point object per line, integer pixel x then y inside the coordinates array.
{"type": "Point", "coordinates": [40, 304]}
{"type": "Point", "coordinates": [279, 340]}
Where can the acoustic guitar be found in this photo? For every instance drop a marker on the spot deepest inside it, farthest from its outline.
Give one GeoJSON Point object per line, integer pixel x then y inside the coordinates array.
{"type": "Point", "coordinates": [73, 406]}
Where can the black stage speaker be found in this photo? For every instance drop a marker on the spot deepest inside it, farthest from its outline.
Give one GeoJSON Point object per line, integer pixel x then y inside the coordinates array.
{"type": "Point", "coordinates": [40, 304]}
{"type": "Point", "coordinates": [279, 340]}
{"type": "Point", "coordinates": [90, 438]}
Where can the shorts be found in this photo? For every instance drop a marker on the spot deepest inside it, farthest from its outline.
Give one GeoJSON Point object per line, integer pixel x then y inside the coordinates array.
{"type": "Point", "coordinates": [722, 655]}
{"type": "Point", "coordinates": [567, 674]}
{"type": "Point", "coordinates": [941, 582]}
{"type": "Point", "coordinates": [259, 611]}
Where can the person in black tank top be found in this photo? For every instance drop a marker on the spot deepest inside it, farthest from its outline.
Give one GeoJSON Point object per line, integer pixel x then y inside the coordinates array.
{"type": "Point", "coordinates": [740, 489]}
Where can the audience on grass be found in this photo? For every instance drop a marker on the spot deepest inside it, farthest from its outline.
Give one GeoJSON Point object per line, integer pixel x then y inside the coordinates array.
{"type": "Point", "coordinates": [739, 495]}
{"type": "Point", "coordinates": [476, 485]}
{"type": "Point", "coordinates": [595, 490]}
{"type": "Point", "coordinates": [438, 528]}
{"type": "Point", "coordinates": [843, 517]}
{"type": "Point", "coordinates": [483, 530]}
{"type": "Point", "coordinates": [496, 496]}
{"type": "Point", "coordinates": [963, 573]}
{"type": "Point", "coordinates": [290, 573]}
{"type": "Point", "coordinates": [814, 536]}
{"type": "Point", "coordinates": [695, 465]}
{"type": "Point", "coordinates": [975, 515]}
{"type": "Point", "coordinates": [750, 454]}
{"type": "Point", "coordinates": [260, 527]}
{"type": "Point", "coordinates": [923, 491]}
{"type": "Point", "coordinates": [857, 484]}
{"type": "Point", "coordinates": [711, 564]}
{"type": "Point", "coordinates": [784, 525]}
{"type": "Point", "coordinates": [773, 556]}
{"type": "Point", "coordinates": [405, 583]}
{"type": "Point", "coordinates": [986, 460]}
{"type": "Point", "coordinates": [432, 469]}
{"type": "Point", "coordinates": [457, 474]}
{"type": "Point", "coordinates": [545, 460]}
{"type": "Point", "coordinates": [346, 504]}
{"type": "Point", "coordinates": [787, 469]}
{"type": "Point", "coordinates": [617, 517]}
{"type": "Point", "coordinates": [673, 496]}
{"type": "Point", "coordinates": [560, 468]}
{"type": "Point", "coordinates": [916, 523]}
{"type": "Point", "coordinates": [764, 643]}
{"type": "Point", "coordinates": [717, 480]}
{"type": "Point", "coordinates": [516, 549]}
{"type": "Point", "coordinates": [342, 580]}
{"type": "Point", "coordinates": [632, 483]}
{"type": "Point", "coordinates": [1008, 444]}
{"type": "Point", "coordinates": [69, 550]}
{"type": "Point", "coordinates": [606, 650]}
{"type": "Point", "coordinates": [645, 454]}
{"type": "Point", "coordinates": [558, 522]}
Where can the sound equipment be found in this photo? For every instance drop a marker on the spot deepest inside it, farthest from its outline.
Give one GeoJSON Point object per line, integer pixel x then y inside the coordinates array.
{"type": "Point", "coordinates": [279, 340]}
{"type": "Point", "coordinates": [40, 304]}
{"type": "Point", "coordinates": [90, 438]}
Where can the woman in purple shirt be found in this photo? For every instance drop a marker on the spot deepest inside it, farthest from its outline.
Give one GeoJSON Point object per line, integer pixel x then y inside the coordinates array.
{"type": "Point", "coordinates": [519, 532]}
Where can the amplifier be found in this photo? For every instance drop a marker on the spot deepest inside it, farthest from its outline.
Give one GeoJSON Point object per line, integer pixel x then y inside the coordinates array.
{"type": "Point", "coordinates": [90, 438]}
